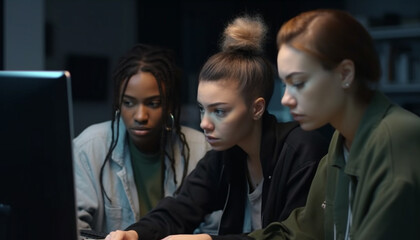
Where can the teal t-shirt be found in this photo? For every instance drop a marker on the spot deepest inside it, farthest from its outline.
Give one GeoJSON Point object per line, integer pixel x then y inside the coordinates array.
{"type": "Point", "coordinates": [147, 170]}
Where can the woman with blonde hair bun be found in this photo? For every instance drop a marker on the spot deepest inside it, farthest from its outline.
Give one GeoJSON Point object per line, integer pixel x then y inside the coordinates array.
{"type": "Point", "coordinates": [259, 170]}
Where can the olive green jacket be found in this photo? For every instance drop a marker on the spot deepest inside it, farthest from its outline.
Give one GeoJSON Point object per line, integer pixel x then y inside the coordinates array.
{"type": "Point", "coordinates": [383, 165]}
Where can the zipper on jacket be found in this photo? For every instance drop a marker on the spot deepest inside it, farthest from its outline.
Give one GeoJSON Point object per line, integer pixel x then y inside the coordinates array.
{"type": "Point", "coordinates": [223, 211]}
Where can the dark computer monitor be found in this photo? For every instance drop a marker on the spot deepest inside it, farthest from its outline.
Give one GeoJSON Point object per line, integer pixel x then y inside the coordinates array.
{"type": "Point", "coordinates": [37, 199]}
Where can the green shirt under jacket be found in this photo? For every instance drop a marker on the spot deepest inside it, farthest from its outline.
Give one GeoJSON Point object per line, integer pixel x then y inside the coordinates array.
{"type": "Point", "coordinates": [384, 166]}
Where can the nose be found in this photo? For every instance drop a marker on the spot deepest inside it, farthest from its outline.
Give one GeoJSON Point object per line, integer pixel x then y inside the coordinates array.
{"type": "Point", "coordinates": [288, 100]}
{"type": "Point", "coordinates": [206, 124]}
{"type": "Point", "coordinates": [141, 115]}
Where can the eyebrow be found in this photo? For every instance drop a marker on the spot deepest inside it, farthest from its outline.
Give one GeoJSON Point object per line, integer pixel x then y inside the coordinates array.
{"type": "Point", "coordinates": [290, 75]}
{"type": "Point", "coordinates": [148, 98]}
{"type": "Point", "coordinates": [213, 104]}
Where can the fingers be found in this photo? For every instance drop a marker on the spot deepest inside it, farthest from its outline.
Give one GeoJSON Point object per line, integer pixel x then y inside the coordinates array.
{"type": "Point", "coordinates": [118, 235]}
{"type": "Point", "coordinates": [188, 237]}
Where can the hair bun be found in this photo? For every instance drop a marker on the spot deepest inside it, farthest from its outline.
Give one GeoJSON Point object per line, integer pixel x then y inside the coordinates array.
{"type": "Point", "coordinates": [246, 33]}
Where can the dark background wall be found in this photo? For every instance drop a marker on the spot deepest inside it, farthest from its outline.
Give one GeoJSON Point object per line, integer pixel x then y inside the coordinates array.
{"type": "Point", "coordinates": [1, 35]}
{"type": "Point", "coordinates": [87, 37]}
{"type": "Point", "coordinates": [193, 28]}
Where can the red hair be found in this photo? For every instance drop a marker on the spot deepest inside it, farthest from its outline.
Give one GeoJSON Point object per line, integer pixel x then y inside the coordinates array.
{"type": "Point", "coordinates": [332, 36]}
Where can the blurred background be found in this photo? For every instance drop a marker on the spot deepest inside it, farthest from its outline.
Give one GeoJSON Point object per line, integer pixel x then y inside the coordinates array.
{"type": "Point", "coordinates": [87, 37]}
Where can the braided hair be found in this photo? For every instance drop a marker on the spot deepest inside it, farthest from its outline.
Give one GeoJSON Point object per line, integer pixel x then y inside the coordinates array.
{"type": "Point", "coordinates": [160, 63]}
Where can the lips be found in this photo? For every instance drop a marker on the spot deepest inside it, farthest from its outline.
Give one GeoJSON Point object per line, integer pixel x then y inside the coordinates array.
{"type": "Point", "coordinates": [140, 131]}
{"type": "Point", "coordinates": [297, 117]}
{"type": "Point", "coordinates": [211, 139]}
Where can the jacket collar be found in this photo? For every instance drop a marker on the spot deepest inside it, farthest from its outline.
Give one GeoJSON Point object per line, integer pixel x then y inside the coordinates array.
{"type": "Point", "coordinates": [119, 151]}
{"type": "Point", "coordinates": [375, 112]}
{"type": "Point", "coordinates": [273, 136]}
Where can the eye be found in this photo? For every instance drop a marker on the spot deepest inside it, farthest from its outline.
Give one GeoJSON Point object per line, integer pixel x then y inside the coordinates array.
{"type": "Point", "coordinates": [155, 104]}
{"type": "Point", "coordinates": [220, 112]}
{"type": "Point", "coordinates": [299, 85]}
{"type": "Point", "coordinates": [298, 81]}
{"type": "Point", "coordinates": [127, 103]}
{"type": "Point", "coordinates": [201, 109]}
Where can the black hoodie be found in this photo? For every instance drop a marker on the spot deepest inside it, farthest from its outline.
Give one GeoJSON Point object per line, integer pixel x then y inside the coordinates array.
{"type": "Point", "coordinates": [289, 158]}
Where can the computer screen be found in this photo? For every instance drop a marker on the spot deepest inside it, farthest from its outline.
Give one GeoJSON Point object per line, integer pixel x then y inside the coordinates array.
{"type": "Point", "coordinates": [37, 199]}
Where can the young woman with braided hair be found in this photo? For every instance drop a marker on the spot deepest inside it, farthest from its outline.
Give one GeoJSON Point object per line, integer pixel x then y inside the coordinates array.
{"type": "Point", "coordinates": [123, 167]}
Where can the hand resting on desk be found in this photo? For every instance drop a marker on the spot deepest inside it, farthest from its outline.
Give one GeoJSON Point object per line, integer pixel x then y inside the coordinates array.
{"type": "Point", "coordinates": [132, 235]}
{"type": "Point", "coordinates": [122, 235]}
{"type": "Point", "coordinates": [188, 237]}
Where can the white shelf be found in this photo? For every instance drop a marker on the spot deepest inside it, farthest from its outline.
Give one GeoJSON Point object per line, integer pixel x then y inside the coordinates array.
{"type": "Point", "coordinates": [403, 92]}
{"type": "Point", "coordinates": [395, 32]}
{"type": "Point", "coordinates": [400, 88]}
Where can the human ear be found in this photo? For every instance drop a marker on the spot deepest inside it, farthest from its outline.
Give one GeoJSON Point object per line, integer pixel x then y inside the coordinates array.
{"type": "Point", "coordinates": [346, 71]}
{"type": "Point", "coordinates": [258, 108]}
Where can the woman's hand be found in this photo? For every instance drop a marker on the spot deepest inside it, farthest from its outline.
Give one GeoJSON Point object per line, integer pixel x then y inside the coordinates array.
{"type": "Point", "coordinates": [188, 237]}
{"type": "Point", "coordinates": [122, 235]}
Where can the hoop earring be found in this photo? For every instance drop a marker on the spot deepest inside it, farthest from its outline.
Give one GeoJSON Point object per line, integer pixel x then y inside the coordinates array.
{"type": "Point", "coordinates": [172, 126]}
